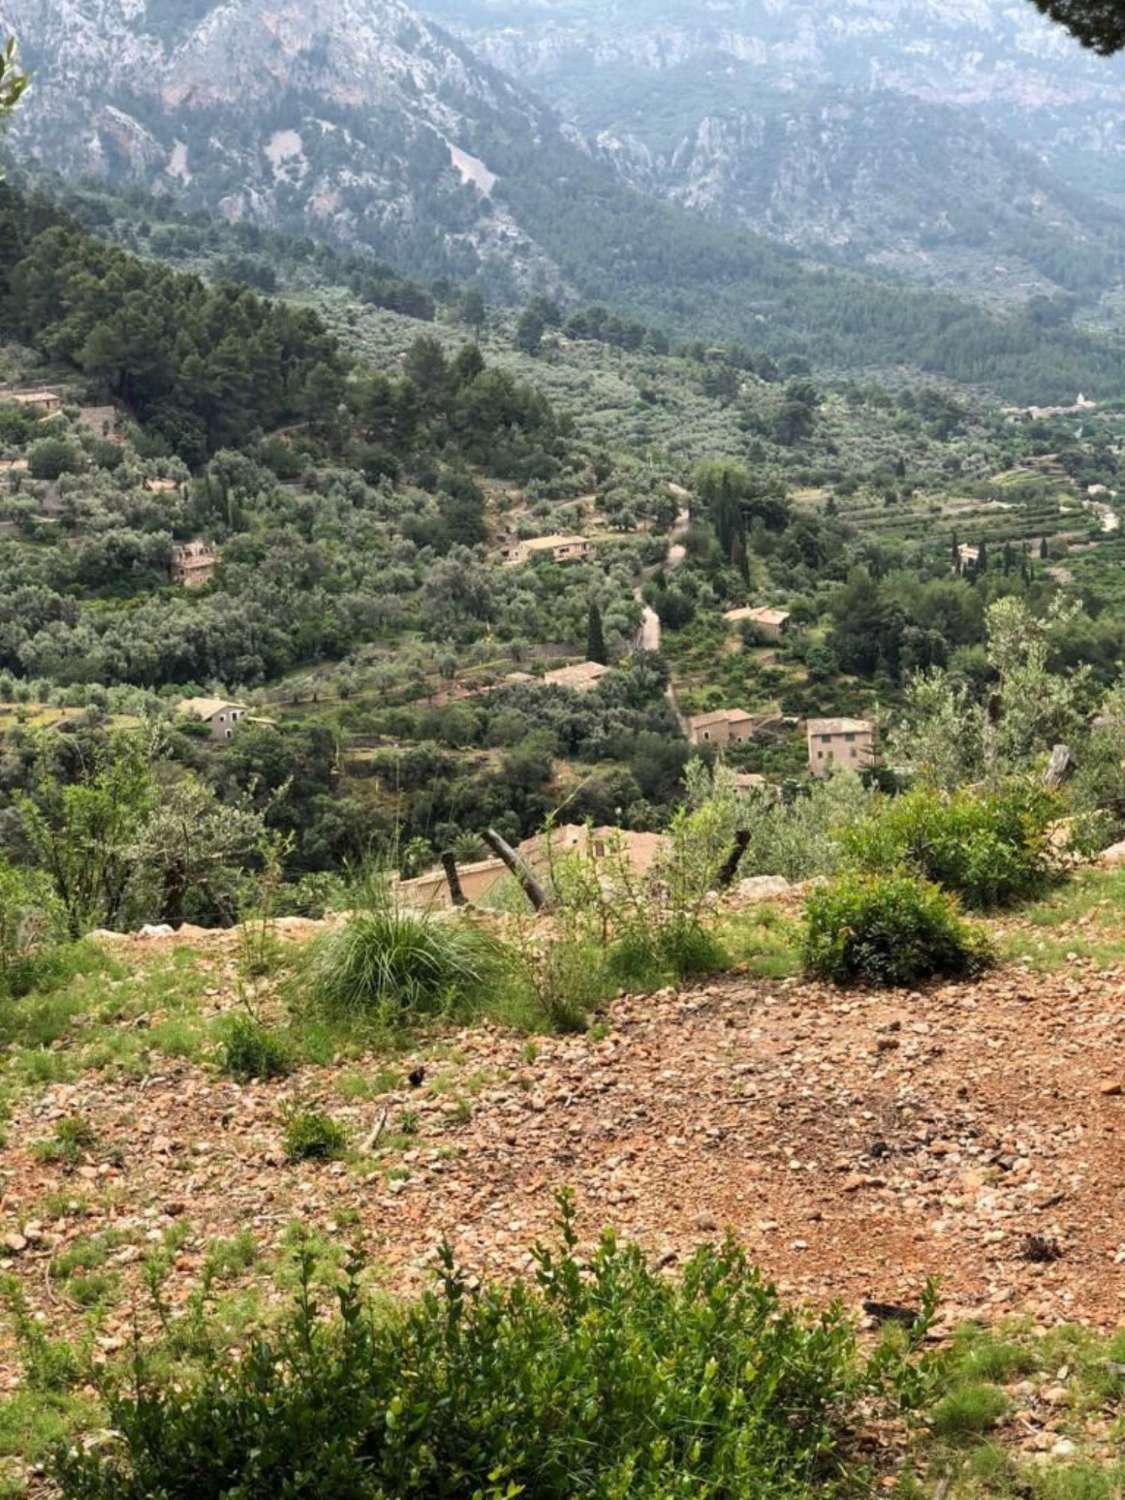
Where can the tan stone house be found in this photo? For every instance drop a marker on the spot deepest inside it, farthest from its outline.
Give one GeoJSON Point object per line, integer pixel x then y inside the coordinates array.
{"type": "Point", "coordinates": [770, 624]}
{"type": "Point", "coordinates": [725, 726]}
{"type": "Point", "coordinates": [835, 744]}
{"type": "Point", "coordinates": [221, 717]}
{"type": "Point", "coordinates": [193, 563]}
{"type": "Point", "coordinates": [559, 548]}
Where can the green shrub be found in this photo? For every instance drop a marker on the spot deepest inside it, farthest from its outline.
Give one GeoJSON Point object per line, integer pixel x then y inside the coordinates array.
{"type": "Point", "coordinates": [888, 930]}
{"type": "Point", "coordinates": [388, 964]}
{"type": "Point", "coordinates": [992, 848]}
{"type": "Point", "coordinates": [251, 1050]}
{"type": "Point", "coordinates": [313, 1136]}
{"type": "Point", "coordinates": [600, 1378]}
{"type": "Point", "coordinates": [54, 457]}
{"type": "Point", "coordinates": [968, 1410]}
{"type": "Point", "coordinates": [650, 957]}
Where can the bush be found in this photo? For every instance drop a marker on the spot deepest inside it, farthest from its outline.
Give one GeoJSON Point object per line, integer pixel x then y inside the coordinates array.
{"type": "Point", "coordinates": [888, 930]}
{"type": "Point", "coordinates": [52, 458]}
{"type": "Point", "coordinates": [992, 848]}
{"type": "Point", "coordinates": [650, 958]}
{"type": "Point", "coordinates": [605, 1379]}
{"type": "Point", "coordinates": [388, 964]}
{"type": "Point", "coordinates": [313, 1136]}
{"type": "Point", "coordinates": [251, 1050]}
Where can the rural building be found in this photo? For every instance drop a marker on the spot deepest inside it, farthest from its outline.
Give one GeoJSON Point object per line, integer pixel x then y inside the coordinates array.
{"type": "Point", "coordinates": [160, 486]}
{"type": "Point", "coordinates": [193, 563]}
{"type": "Point", "coordinates": [221, 717]}
{"type": "Point", "coordinates": [558, 548]}
{"type": "Point", "coordinates": [770, 624]}
{"type": "Point", "coordinates": [836, 743]}
{"type": "Point", "coordinates": [44, 401]}
{"type": "Point", "coordinates": [967, 556]}
{"type": "Point", "coordinates": [579, 678]}
{"type": "Point", "coordinates": [726, 726]}
{"type": "Point", "coordinates": [430, 892]}
{"type": "Point", "coordinates": [639, 850]}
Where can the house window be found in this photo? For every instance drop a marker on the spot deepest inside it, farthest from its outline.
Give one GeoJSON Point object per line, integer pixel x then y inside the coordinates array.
{"type": "Point", "coordinates": [849, 738]}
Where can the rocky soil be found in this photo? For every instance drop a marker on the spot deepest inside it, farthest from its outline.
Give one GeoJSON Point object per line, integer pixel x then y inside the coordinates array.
{"type": "Point", "coordinates": [857, 1143]}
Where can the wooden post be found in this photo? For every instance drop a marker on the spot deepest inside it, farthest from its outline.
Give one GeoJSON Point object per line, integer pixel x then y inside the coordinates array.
{"type": "Point", "coordinates": [453, 880]}
{"type": "Point", "coordinates": [730, 866]}
{"type": "Point", "coordinates": [504, 851]}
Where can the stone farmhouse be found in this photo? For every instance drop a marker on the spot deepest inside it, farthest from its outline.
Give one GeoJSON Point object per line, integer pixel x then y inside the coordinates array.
{"type": "Point", "coordinates": [220, 716]}
{"type": "Point", "coordinates": [559, 548]}
{"type": "Point", "coordinates": [725, 726]}
{"type": "Point", "coordinates": [835, 744]}
{"type": "Point", "coordinates": [771, 624]}
{"type": "Point", "coordinates": [193, 563]}
{"type": "Point", "coordinates": [430, 891]}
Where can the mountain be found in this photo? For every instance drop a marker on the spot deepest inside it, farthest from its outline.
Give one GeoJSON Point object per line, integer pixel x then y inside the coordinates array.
{"type": "Point", "coordinates": [360, 122]}
{"type": "Point", "coordinates": [971, 144]}
{"type": "Point", "coordinates": [356, 119]}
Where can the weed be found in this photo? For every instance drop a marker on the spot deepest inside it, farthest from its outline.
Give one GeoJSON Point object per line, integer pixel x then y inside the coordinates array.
{"type": "Point", "coordinates": [387, 965]}
{"type": "Point", "coordinates": [71, 1137]}
{"type": "Point", "coordinates": [969, 1410]}
{"type": "Point", "coordinates": [251, 1050]}
{"type": "Point", "coordinates": [311, 1135]}
{"type": "Point", "coordinates": [229, 1258]}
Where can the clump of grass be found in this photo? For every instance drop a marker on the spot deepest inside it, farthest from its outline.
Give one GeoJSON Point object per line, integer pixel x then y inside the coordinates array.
{"type": "Point", "coordinates": [71, 1137]}
{"type": "Point", "coordinates": [251, 1050]}
{"type": "Point", "coordinates": [229, 1258]}
{"type": "Point", "coordinates": [388, 964]}
{"type": "Point", "coordinates": [968, 1410]}
{"type": "Point", "coordinates": [311, 1135]}
{"type": "Point", "coordinates": [644, 957]}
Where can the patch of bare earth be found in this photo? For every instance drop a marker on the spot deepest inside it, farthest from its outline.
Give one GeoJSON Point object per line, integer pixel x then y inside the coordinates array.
{"type": "Point", "coordinates": [855, 1142]}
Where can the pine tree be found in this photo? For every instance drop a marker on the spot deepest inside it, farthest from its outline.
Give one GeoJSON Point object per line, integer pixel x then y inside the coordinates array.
{"type": "Point", "coordinates": [1044, 552]}
{"type": "Point", "coordinates": [595, 636]}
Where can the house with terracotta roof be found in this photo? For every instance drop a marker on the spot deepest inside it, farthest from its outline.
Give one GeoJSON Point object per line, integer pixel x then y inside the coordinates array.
{"type": "Point", "coordinates": [221, 716]}
{"type": "Point", "coordinates": [840, 744]}
{"type": "Point", "coordinates": [725, 726]}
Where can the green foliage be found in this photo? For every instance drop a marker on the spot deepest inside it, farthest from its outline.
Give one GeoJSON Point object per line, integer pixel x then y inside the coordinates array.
{"type": "Point", "coordinates": [888, 930]}
{"type": "Point", "coordinates": [52, 458]}
{"type": "Point", "coordinates": [633, 1384]}
{"type": "Point", "coordinates": [82, 832]}
{"type": "Point", "coordinates": [390, 964]}
{"type": "Point", "coordinates": [311, 1135]}
{"type": "Point", "coordinates": [13, 82]}
{"type": "Point", "coordinates": [251, 1050]}
{"type": "Point", "coordinates": [991, 847]}
{"type": "Point", "coordinates": [72, 1135]}
{"type": "Point", "coordinates": [28, 926]}
{"type": "Point", "coordinates": [969, 1410]}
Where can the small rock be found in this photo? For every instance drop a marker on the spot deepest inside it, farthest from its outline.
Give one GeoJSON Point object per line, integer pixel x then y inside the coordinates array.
{"type": "Point", "coordinates": [707, 1223]}
{"type": "Point", "coordinates": [14, 1242]}
{"type": "Point", "coordinates": [1111, 1088]}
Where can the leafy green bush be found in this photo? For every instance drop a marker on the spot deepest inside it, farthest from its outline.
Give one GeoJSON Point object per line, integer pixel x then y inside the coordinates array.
{"type": "Point", "coordinates": [604, 1380]}
{"type": "Point", "coordinates": [54, 457]}
{"type": "Point", "coordinates": [387, 964]}
{"type": "Point", "coordinates": [652, 956]}
{"type": "Point", "coordinates": [313, 1136]}
{"type": "Point", "coordinates": [992, 848]}
{"type": "Point", "coordinates": [888, 930]}
{"type": "Point", "coordinates": [251, 1050]}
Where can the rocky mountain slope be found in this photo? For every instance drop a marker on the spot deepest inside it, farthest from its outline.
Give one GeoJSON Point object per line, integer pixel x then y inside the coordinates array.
{"type": "Point", "coordinates": [352, 117]}
{"type": "Point", "coordinates": [962, 144]}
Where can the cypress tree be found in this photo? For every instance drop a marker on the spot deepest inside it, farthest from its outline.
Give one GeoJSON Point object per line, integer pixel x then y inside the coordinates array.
{"type": "Point", "coordinates": [595, 637]}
